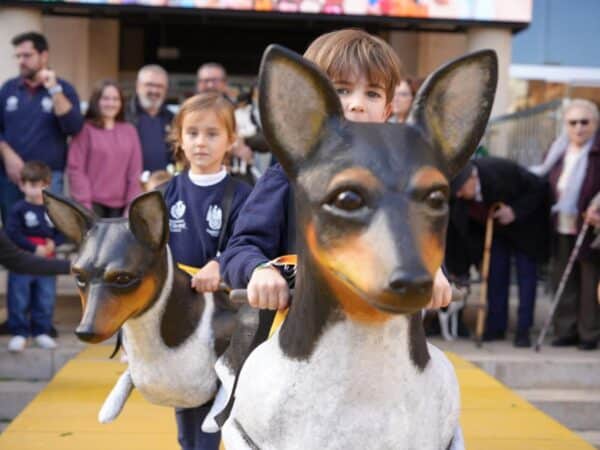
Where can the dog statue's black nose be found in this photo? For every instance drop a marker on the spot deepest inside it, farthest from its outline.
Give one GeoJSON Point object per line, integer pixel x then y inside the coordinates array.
{"type": "Point", "coordinates": [85, 336]}
{"type": "Point", "coordinates": [403, 283]}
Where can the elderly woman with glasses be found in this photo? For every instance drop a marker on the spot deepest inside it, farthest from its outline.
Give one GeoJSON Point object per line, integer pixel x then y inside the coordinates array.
{"type": "Point", "coordinates": [573, 168]}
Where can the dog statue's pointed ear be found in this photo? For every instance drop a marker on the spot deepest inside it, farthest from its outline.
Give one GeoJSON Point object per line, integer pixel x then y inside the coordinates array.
{"type": "Point", "coordinates": [296, 102]}
{"type": "Point", "coordinates": [149, 221]}
{"type": "Point", "coordinates": [69, 217]}
{"type": "Point", "coordinates": [454, 103]}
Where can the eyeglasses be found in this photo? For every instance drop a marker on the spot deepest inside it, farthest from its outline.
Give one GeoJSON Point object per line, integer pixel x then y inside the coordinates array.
{"type": "Point", "coordinates": [154, 85]}
{"type": "Point", "coordinates": [582, 122]}
{"type": "Point", "coordinates": [210, 80]}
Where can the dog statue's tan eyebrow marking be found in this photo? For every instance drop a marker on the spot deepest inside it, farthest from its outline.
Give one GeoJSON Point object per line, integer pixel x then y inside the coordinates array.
{"type": "Point", "coordinates": [427, 177]}
{"type": "Point", "coordinates": [355, 175]}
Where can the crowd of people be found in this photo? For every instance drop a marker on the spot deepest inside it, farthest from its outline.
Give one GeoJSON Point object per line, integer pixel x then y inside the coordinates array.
{"type": "Point", "coordinates": [229, 230]}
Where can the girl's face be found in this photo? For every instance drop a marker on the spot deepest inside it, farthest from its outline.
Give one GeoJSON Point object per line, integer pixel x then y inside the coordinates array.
{"type": "Point", "coordinates": [109, 103]}
{"type": "Point", "coordinates": [204, 140]}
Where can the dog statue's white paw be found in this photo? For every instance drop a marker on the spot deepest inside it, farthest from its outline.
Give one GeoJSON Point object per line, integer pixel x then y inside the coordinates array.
{"type": "Point", "coordinates": [116, 399]}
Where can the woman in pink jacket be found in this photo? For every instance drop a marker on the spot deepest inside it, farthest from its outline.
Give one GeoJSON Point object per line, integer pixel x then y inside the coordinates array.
{"type": "Point", "coordinates": [105, 158]}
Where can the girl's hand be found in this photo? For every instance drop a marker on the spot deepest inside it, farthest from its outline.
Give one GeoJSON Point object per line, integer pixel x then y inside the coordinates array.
{"type": "Point", "coordinates": [442, 291]}
{"type": "Point", "coordinates": [267, 289]}
{"type": "Point", "coordinates": [207, 279]}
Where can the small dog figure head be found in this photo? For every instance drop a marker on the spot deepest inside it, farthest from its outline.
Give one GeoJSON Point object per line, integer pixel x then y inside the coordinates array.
{"type": "Point", "coordinates": [120, 266]}
{"type": "Point", "coordinates": [372, 199]}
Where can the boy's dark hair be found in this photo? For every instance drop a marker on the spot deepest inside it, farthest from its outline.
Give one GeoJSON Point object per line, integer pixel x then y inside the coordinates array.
{"type": "Point", "coordinates": [93, 114]}
{"type": "Point", "coordinates": [352, 51]}
{"type": "Point", "coordinates": [37, 39]}
{"type": "Point", "coordinates": [35, 171]}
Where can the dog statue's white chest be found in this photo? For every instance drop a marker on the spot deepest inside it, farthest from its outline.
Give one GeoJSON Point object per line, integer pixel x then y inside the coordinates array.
{"type": "Point", "coordinates": [359, 389]}
{"type": "Point", "coordinates": [182, 376]}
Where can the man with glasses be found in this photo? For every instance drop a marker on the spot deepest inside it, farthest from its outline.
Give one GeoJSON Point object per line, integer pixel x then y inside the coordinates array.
{"type": "Point", "coordinates": [212, 77]}
{"type": "Point", "coordinates": [148, 113]}
{"type": "Point", "coordinates": [38, 111]}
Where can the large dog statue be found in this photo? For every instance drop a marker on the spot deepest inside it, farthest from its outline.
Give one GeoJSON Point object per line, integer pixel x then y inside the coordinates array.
{"type": "Point", "coordinates": [350, 367]}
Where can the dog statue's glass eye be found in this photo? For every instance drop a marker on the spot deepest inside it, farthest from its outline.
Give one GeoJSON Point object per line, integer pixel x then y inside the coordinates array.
{"type": "Point", "coordinates": [348, 201]}
{"type": "Point", "coordinates": [436, 199]}
{"type": "Point", "coordinates": [123, 279]}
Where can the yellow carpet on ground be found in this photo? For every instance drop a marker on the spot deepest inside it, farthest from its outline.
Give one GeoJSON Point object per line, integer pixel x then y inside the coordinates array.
{"type": "Point", "coordinates": [63, 415]}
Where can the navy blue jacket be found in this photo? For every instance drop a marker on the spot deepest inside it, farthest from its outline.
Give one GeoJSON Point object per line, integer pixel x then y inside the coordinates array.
{"type": "Point", "coordinates": [153, 131]}
{"type": "Point", "coordinates": [195, 217]}
{"type": "Point", "coordinates": [28, 123]}
{"type": "Point", "coordinates": [29, 220]}
{"type": "Point", "coordinates": [261, 232]}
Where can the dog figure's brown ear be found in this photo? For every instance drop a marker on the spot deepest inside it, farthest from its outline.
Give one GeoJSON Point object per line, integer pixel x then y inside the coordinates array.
{"type": "Point", "coordinates": [69, 217]}
{"type": "Point", "coordinates": [454, 103]}
{"type": "Point", "coordinates": [296, 103]}
{"type": "Point", "coordinates": [149, 221]}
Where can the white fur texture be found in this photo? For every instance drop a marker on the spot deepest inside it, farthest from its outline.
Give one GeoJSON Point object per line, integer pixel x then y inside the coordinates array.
{"type": "Point", "coordinates": [115, 401]}
{"type": "Point", "coordinates": [180, 377]}
{"type": "Point", "coordinates": [359, 390]}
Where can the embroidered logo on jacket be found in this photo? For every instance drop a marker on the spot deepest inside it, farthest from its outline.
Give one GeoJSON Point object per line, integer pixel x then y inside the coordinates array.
{"type": "Point", "coordinates": [214, 217]}
{"type": "Point", "coordinates": [31, 219]}
{"type": "Point", "coordinates": [12, 103]}
{"type": "Point", "coordinates": [176, 223]}
{"type": "Point", "coordinates": [47, 104]}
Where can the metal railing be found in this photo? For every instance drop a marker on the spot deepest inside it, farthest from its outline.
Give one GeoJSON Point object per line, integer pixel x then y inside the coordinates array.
{"type": "Point", "coordinates": [525, 136]}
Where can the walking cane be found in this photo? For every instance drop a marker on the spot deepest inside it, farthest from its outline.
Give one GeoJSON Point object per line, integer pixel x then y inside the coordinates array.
{"type": "Point", "coordinates": [485, 271]}
{"type": "Point", "coordinates": [561, 286]}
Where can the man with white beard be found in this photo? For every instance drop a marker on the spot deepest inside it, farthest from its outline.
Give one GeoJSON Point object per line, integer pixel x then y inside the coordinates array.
{"type": "Point", "coordinates": [149, 114]}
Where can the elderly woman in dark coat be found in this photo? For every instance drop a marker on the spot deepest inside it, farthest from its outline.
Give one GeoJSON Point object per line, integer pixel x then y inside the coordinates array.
{"type": "Point", "coordinates": [573, 169]}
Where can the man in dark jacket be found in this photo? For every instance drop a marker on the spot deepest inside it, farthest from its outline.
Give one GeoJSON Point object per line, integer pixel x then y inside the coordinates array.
{"type": "Point", "coordinates": [148, 113]}
{"type": "Point", "coordinates": [38, 112]}
{"type": "Point", "coordinates": [520, 209]}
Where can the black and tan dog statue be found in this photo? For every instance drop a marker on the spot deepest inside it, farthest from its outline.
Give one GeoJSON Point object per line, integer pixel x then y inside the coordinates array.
{"type": "Point", "coordinates": [350, 367]}
{"type": "Point", "coordinates": [127, 278]}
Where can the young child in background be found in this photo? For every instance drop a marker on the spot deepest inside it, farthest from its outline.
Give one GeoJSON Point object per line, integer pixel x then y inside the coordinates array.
{"type": "Point", "coordinates": [203, 202]}
{"type": "Point", "coordinates": [31, 298]}
{"type": "Point", "coordinates": [365, 71]}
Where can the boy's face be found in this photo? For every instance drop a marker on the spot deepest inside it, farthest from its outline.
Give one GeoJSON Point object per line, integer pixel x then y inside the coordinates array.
{"type": "Point", "coordinates": [362, 100]}
{"type": "Point", "coordinates": [33, 191]}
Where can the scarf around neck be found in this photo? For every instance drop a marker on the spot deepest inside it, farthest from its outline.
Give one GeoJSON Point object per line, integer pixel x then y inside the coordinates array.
{"type": "Point", "coordinates": [567, 201]}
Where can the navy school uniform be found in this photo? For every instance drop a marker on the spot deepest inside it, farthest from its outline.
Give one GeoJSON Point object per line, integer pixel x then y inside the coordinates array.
{"type": "Point", "coordinates": [195, 217]}
{"type": "Point", "coordinates": [29, 125]}
{"type": "Point", "coordinates": [195, 222]}
{"type": "Point", "coordinates": [30, 298]}
{"type": "Point", "coordinates": [263, 231]}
